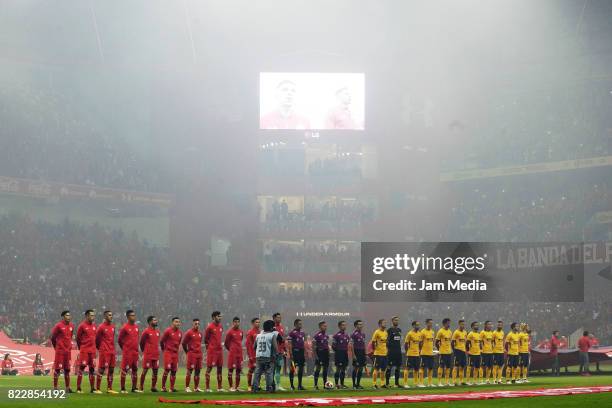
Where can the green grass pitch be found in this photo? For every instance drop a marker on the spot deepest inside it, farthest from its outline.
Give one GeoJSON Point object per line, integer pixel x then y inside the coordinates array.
{"type": "Point", "coordinates": [148, 399]}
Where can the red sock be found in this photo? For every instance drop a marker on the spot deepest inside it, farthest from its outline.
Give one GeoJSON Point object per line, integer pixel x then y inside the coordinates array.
{"type": "Point", "coordinates": [98, 381]}
{"type": "Point", "coordinates": [154, 379]}
{"type": "Point", "coordinates": [92, 375]}
{"type": "Point", "coordinates": [196, 381]}
{"type": "Point", "coordinates": [123, 375]}
{"type": "Point", "coordinates": [67, 378]}
{"type": "Point", "coordinates": [237, 378]}
{"type": "Point", "coordinates": [109, 378]}
{"type": "Point", "coordinates": [207, 376]}
{"type": "Point", "coordinates": [164, 379]}
{"type": "Point", "coordinates": [79, 379]}
{"type": "Point", "coordinates": [134, 379]}
{"type": "Point", "coordinates": [250, 377]}
{"type": "Point", "coordinates": [219, 378]}
{"type": "Point", "coordinates": [230, 380]}
{"type": "Point", "coordinates": [142, 378]}
{"type": "Point", "coordinates": [172, 379]}
{"type": "Point", "coordinates": [187, 379]}
{"type": "Point", "coordinates": [55, 378]}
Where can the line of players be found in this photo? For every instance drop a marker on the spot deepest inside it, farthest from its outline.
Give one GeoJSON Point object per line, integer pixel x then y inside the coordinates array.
{"type": "Point", "coordinates": [92, 339]}
{"type": "Point", "coordinates": [482, 353]}
{"type": "Point", "coordinates": [465, 358]}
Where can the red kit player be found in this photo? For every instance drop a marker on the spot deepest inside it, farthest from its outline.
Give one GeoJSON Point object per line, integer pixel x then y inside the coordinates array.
{"type": "Point", "coordinates": [250, 349]}
{"type": "Point", "coordinates": [61, 339]}
{"type": "Point", "coordinates": [233, 343]}
{"type": "Point", "coordinates": [149, 345]}
{"type": "Point", "coordinates": [105, 343]}
{"type": "Point", "coordinates": [128, 342]}
{"type": "Point", "coordinates": [86, 343]}
{"type": "Point", "coordinates": [192, 345]}
{"type": "Point", "coordinates": [170, 343]}
{"type": "Point", "coordinates": [214, 350]}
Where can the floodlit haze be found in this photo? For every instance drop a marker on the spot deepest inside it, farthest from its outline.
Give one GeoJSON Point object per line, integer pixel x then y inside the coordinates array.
{"type": "Point", "coordinates": [132, 150]}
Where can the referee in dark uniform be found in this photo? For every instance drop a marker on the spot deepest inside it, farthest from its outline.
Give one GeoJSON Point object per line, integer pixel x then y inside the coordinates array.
{"type": "Point", "coordinates": [394, 345]}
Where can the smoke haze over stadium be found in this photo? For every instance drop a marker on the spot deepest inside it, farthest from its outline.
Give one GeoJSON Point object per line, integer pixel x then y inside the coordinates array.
{"type": "Point", "coordinates": [144, 166]}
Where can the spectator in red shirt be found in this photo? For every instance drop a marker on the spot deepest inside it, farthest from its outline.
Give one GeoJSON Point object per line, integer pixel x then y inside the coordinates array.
{"type": "Point", "coordinates": [584, 343]}
{"type": "Point", "coordinates": [38, 368]}
{"type": "Point", "coordinates": [7, 365]}
{"type": "Point", "coordinates": [554, 352]}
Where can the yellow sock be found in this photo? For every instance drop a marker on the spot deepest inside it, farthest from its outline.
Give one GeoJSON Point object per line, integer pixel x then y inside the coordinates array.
{"type": "Point", "coordinates": [487, 373]}
{"type": "Point", "coordinates": [415, 377]}
{"type": "Point", "coordinates": [468, 374]}
{"type": "Point", "coordinates": [440, 372]}
{"type": "Point", "coordinates": [430, 376]}
{"type": "Point", "coordinates": [374, 376]}
{"type": "Point", "coordinates": [525, 372]}
{"type": "Point", "coordinates": [421, 377]}
{"type": "Point", "coordinates": [405, 376]}
{"type": "Point", "coordinates": [517, 373]}
{"type": "Point", "coordinates": [460, 375]}
{"type": "Point", "coordinates": [454, 375]}
{"type": "Point", "coordinates": [480, 374]}
{"type": "Point", "coordinates": [446, 374]}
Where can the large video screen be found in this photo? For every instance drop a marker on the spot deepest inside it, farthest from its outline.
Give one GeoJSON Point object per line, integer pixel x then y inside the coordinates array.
{"type": "Point", "coordinates": [311, 100]}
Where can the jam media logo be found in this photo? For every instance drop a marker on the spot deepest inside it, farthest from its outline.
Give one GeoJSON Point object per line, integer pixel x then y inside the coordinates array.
{"type": "Point", "coordinates": [472, 271]}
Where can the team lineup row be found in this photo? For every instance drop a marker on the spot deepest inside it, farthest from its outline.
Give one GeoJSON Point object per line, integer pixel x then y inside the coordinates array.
{"type": "Point", "coordinates": [481, 356]}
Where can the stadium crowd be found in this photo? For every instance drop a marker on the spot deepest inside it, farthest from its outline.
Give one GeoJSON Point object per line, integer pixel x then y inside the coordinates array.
{"type": "Point", "coordinates": [529, 210]}
{"type": "Point", "coordinates": [329, 216]}
{"type": "Point", "coordinates": [51, 266]}
{"type": "Point", "coordinates": [556, 124]}
{"type": "Point", "coordinates": [45, 137]}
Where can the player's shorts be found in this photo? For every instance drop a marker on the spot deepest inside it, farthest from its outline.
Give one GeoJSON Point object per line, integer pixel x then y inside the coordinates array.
{"type": "Point", "coordinates": [322, 357]}
{"type": "Point", "coordinates": [234, 360]}
{"type": "Point", "coordinates": [341, 358]}
{"type": "Point", "coordinates": [214, 358]}
{"type": "Point", "coordinates": [359, 358]}
{"type": "Point", "coordinates": [427, 362]}
{"type": "Point", "coordinates": [446, 360]}
{"type": "Point", "coordinates": [129, 360]}
{"type": "Point", "coordinates": [394, 359]}
{"type": "Point", "coordinates": [524, 359]}
{"type": "Point", "coordinates": [413, 362]}
{"type": "Point", "coordinates": [475, 361]}
{"type": "Point", "coordinates": [252, 363]}
{"type": "Point", "coordinates": [62, 360]}
{"type": "Point", "coordinates": [513, 360]}
{"type": "Point", "coordinates": [379, 362]}
{"type": "Point", "coordinates": [498, 359]}
{"type": "Point", "coordinates": [107, 359]}
{"type": "Point", "coordinates": [87, 358]}
{"type": "Point", "coordinates": [194, 361]}
{"type": "Point", "coordinates": [297, 356]}
{"type": "Point", "coordinates": [150, 363]}
{"type": "Point", "coordinates": [170, 361]}
{"type": "Point", "coordinates": [460, 358]}
{"type": "Point", "coordinates": [487, 360]}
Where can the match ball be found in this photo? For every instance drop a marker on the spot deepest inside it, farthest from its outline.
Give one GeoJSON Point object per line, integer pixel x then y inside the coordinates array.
{"type": "Point", "coordinates": [329, 386]}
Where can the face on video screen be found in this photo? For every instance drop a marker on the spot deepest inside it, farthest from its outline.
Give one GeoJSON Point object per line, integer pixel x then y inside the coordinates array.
{"type": "Point", "coordinates": [312, 101]}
